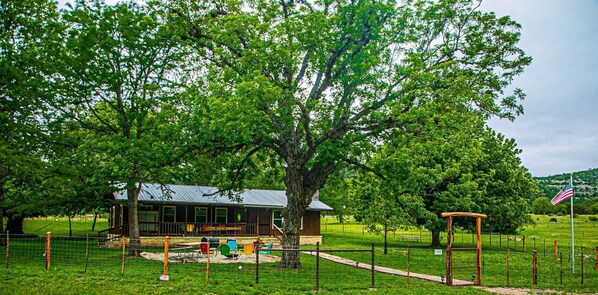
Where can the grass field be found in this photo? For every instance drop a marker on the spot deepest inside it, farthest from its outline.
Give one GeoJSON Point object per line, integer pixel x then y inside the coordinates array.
{"type": "Point", "coordinates": [103, 275]}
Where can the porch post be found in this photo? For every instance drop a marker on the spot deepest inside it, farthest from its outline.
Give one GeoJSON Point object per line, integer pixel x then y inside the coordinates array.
{"type": "Point", "coordinates": [257, 226]}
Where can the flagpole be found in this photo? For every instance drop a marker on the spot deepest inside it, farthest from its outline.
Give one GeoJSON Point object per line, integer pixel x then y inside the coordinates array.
{"type": "Point", "coordinates": [572, 231]}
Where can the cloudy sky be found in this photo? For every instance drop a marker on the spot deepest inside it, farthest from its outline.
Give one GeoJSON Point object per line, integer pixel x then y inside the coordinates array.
{"type": "Point", "coordinates": [559, 131]}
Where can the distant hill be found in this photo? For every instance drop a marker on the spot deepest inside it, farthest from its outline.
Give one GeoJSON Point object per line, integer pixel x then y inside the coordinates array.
{"type": "Point", "coordinates": [585, 184]}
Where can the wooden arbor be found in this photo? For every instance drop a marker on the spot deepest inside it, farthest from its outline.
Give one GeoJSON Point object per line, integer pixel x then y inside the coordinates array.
{"type": "Point", "coordinates": [449, 248]}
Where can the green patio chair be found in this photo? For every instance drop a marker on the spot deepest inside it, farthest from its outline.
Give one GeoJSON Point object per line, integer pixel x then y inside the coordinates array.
{"type": "Point", "coordinates": [225, 251]}
{"type": "Point", "coordinates": [267, 250]}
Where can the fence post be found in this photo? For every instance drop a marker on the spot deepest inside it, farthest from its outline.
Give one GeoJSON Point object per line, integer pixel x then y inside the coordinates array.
{"type": "Point", "coordinates": [408, 265]}
{"type": "Point", "coordinates": [534, 243]}
{"type": "Point", "coordinates": [582, 265]}
{"type": "Point", "coordinates": [257, 263]}
{"type": "Point", "coordinates": [534, 268]}
{"type": "Point", "coordinates": [8, 247]}
{"type": "Point", "coordinates": [373, 286]}
{"type": "Point", "coordinates": [48, 249]}
{"type": "Point", "coordinates": [555, 248]}
{"type": "Point", "coordinates": [508, 265]}
{"type": "Point", "coordinates": [86, 253]}
{"type": "Point", "coordinates": [544, 247]}
{"type": "Point", "coordinates": [164, 276]}
{"type": "Point", "coordinates": [317, 266]}
{"type": "Point", "coordinates": [561, 266]}
{"type": "Point", "coordinates": [523, 243]}
{"type": "Point", "coordinates": [596, 254]}
{"type": "Point", "coordinates": [124, 244]}
{"type": "Point", "coordinates": [490, 234]}
{"type": "Point", "coordinates": [208, 264]}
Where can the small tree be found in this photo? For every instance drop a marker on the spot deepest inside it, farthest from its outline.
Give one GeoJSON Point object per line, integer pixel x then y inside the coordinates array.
{"type": "Point", "coordinates": [119, 82]}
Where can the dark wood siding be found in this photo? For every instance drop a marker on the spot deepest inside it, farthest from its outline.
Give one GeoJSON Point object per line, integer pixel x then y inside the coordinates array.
{"type": "Point", "coordinates": [311, 223]}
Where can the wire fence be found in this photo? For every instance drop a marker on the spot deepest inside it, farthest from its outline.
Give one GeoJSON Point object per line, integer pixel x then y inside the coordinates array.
{"type": "Point", "coordinates": [363, 269]}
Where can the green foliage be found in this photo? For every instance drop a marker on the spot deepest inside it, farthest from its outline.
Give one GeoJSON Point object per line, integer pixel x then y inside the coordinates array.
{"type": "Point", "coordinates": [320, 84]}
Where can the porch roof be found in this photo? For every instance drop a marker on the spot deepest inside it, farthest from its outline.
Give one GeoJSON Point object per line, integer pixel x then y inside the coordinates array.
{"type": "Point", "coordinates": [191, 194]}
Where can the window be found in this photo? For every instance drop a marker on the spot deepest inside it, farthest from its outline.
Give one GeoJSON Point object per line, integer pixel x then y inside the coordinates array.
{"type": "Point", "coordinates": [278, 220]}
{"type": "Point", "coordinates": [241, 215]}
{"type": "Point", "coordinates": [146, 208]}
{"type": "Point", "coordinates": [201, 214]}
{"type": "Point", "coordinates": [169, 214]}
{"type": "Point", "coordinates": [221, 215]}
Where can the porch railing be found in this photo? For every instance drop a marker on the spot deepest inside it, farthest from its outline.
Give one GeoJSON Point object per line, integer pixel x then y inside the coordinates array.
{"type": "Point", "coordinates": [190, 229]}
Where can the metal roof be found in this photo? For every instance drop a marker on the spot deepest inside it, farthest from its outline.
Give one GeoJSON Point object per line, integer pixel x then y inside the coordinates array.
{"type": "Point", "coordinates": [191, 194]}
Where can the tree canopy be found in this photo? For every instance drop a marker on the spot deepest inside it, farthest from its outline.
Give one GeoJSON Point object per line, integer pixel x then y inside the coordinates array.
{"type": "Point", "coordinates": [321, 83]}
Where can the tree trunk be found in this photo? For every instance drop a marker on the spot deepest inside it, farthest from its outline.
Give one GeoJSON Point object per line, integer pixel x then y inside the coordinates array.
{"type": "Point", "coordinates": [1, 207]}
{"type": "Point", "coordinates": [134, 238]}
{"type": "Point", "coordinates": [70, 225]}
{"type": "Point", "coordinates": [291, 227]}
{"type": "Point", "coordinates": [435, 238]}
{"type": "Point", "coordinates": [15, 225]}
{"type": "Point", "coordinates": [95, 219]}
{"type": "Point", "coordinates": [385, 238]}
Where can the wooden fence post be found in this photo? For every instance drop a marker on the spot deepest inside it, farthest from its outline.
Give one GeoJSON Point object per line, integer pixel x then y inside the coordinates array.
{"type": "Point", "coordinates": [164, 276]}
{"type": "Point", "coordinates": [561, 266]}
{"type": "Point", "coordinates": [555, 248]}
{"type": "Point", "coordinates": [373, 286]}
{"type": "Point", "coordinates": [408, 265]}
{"type": "Point", "coordinates": [508, 265]}
{"type": "Point", "coordinates": [86, 253]}
{"type": "Point", "coordinates": [317, 266]}
{"type": "Point", "coordinates": [257, 263]}
{"type": "Point", "coordinates": [124, 245]}
{"type": "Point", "coordinates": [8, 247]}
{"type": "Point", "coordinates": [534, 268]}
{"type": "Point", "coordinates": [48, 249]}
{"type": "Point", "coordinates": [523, 243]}
{"type": "Point", "coordinates": [582, 265]}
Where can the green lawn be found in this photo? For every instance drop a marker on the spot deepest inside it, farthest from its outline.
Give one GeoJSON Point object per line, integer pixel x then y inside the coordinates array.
{"type": "Point", "coordinates": [494, 259]}
{"type": "Point", "coordinates": [26, 273]}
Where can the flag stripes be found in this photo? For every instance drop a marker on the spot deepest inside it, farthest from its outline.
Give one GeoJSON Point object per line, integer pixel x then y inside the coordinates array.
{"type": "Point", "coordinates": [564, 194]}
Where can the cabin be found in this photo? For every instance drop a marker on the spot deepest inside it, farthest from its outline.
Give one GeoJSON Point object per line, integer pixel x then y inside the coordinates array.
{"type": "Point", "coordinates": [201, 211]}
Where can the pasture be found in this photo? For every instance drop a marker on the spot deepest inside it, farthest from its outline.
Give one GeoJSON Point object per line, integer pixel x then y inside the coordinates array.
{"type": "Point", "coordinates": [102, 274]}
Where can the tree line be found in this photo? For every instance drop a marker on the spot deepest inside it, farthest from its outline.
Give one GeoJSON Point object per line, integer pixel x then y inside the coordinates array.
{"type": "Point", "coordinates": [380, 106]}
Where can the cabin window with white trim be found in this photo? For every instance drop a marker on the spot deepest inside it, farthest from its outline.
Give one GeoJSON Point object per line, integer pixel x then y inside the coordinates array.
{"type": "Point", "coordinates": [221, 215]}
{"type": "Point", "coordinates": [278, 220]}
{"type": "Point", "coordinates": [201, 214]}
{"type": "Point", "coordinates": [169, 214]}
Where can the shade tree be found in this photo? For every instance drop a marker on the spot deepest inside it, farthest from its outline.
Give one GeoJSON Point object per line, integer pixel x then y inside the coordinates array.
{"type": "Point", "coordinates": [320, 83]}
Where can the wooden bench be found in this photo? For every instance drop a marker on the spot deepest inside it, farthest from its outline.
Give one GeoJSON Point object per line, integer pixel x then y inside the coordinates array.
{"type": "Point", "coordinates": [410, 238]}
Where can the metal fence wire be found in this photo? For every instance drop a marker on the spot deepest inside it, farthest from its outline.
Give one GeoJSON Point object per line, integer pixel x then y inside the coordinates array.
{"type": "Point", "coordinates": [361, 269]}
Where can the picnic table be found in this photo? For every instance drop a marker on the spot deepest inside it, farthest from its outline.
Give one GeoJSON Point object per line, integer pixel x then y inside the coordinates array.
{"type": "Point", "coordinates": [410, 238]}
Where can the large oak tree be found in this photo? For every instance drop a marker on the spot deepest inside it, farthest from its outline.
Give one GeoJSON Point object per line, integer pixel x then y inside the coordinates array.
{"type": "Point", "coordinates": [320, 82]}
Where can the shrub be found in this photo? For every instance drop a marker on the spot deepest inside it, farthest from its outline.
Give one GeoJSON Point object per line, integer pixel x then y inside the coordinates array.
{"type": "Point", "coordinates": [553, 219]}
{"type": "Point", "coordinates": [593, 218]}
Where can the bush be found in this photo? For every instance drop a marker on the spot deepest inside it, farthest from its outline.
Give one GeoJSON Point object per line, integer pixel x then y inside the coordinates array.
{"type": "Point", "coordinates": [553, 219]}
{"type": "Point", "coordinates": [593, 218]}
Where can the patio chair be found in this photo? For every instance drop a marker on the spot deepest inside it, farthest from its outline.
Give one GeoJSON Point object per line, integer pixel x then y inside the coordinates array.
{"type": "Point", "coordinates": [267, 250]}
{"type": "Point", "coordinates": [232, 243]}
{"type": "Point", "coordinates": [204, 249]}
{"type": "Point", "coordinates": [225, 251]}
{"type": "Point", "coordinates": [247, 250]}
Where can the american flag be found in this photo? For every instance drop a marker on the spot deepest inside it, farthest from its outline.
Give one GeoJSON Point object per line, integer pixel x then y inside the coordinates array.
{"type": "Point", "coordinates": [564, 194]}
